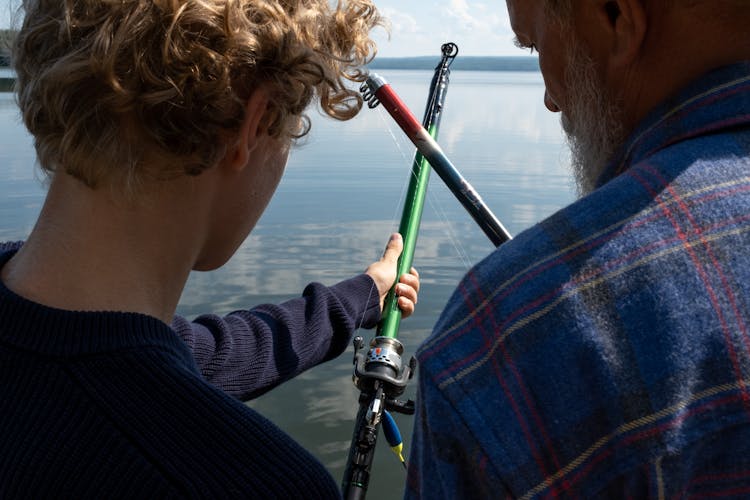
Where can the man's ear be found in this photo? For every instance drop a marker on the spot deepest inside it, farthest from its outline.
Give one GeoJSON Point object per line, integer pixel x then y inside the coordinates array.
{"type": "Point", "coordinates": [626, 24]}
{"type": "Point", "coordinates": [250, 130]}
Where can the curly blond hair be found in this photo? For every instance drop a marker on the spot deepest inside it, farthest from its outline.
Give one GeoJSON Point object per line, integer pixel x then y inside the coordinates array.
{"type": "Point", "coordinates": [107, 86]}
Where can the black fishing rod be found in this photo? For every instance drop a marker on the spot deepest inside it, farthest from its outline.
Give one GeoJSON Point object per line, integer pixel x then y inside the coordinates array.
{"type": "Point", "coordinates": [377, 90]}
{"type": "Point", "coordinates": [379, 374]}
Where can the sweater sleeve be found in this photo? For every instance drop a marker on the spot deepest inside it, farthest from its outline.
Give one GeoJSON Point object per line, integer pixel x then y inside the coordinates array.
{"type": "Point", "coordinates": [248, 352]}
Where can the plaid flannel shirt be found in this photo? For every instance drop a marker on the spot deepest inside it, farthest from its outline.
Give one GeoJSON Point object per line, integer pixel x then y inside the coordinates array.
{"type": "Point", "coordinates": [605, 352]}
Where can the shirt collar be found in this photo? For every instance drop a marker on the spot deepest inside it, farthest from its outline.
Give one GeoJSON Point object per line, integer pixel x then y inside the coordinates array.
{"type": "Point", "coordinates": [719, 99]}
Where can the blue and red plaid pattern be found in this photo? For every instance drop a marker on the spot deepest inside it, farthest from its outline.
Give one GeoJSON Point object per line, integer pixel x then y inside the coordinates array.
{"type": "Point", "coordinates": [605, 352]}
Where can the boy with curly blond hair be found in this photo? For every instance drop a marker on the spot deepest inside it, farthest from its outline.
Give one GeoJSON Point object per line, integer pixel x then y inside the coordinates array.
{"type": "Point", "coordinates": [164, 127]}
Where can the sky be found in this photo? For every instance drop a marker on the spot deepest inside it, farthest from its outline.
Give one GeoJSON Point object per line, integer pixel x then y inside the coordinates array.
{"type": "Point", "coordinates": [420, 27]}
{"type": "Point", "coordinates": [5, 14]}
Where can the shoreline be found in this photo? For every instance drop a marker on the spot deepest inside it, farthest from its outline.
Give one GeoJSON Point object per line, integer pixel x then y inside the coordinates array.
{"type": "Point", "coordinates": [466, 63]}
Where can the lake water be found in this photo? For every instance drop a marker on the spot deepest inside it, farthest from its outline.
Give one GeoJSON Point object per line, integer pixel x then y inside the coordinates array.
{"type": "Point", "coordinates": [331, 216]}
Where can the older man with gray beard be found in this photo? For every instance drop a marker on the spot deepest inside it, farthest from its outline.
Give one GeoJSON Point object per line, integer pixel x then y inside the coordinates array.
{"type": "Point", "coordinates": [605, 352]}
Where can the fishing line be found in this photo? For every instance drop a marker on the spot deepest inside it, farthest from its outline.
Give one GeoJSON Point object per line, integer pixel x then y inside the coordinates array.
{"type": "Point", "coordinates": [379, 372]}
{"type": "Point", "coordinates": [432, 199]}
{"type": "Point", "coordinates": [436, 205]}
{"type": "Point", "coordinates": [376, 91]}
{"type": "Point", "coordinates": [393, 226]}
{"type": "Point", "coordinates": [407, 159]}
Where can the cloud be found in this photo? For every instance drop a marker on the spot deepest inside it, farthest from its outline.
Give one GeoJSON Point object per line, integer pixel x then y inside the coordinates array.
{"type": "Point", "coordinates": [477, 18]}
{"type": "Point", "coordinates": [420, 27]}
{"type": "Point", "coordinates": [459, 10]}
{"type": "Point", "coordinates": [401, 22]}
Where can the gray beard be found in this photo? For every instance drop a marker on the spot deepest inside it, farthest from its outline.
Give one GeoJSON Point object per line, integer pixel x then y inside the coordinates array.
{"type": "Point", "coordinates": [592, 121]}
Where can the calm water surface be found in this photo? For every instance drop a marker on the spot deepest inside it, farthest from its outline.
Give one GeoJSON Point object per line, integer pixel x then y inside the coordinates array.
{"type": "Point", "coordinates": [331, 216]}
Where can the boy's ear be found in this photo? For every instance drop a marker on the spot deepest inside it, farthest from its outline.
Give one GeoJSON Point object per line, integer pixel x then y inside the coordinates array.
{"type": "Point", "coordinates": [250, 130]}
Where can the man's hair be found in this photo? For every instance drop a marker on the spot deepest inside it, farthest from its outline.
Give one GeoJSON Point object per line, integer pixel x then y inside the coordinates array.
{"type": "Point", "coordinates": [104, 85]}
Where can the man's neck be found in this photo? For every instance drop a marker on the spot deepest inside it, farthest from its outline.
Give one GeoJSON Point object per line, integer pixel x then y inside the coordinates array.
{"type": "Point", "coordinates": [682, 44]}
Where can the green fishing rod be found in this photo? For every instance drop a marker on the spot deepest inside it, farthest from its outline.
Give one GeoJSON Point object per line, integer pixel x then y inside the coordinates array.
{"type": "Point", "coordinates": [415, 196]}
{"type": "Point", "coordinates": [379, 374]}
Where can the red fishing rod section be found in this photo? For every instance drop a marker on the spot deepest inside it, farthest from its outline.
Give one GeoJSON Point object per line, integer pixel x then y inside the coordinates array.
{"type": "Point", "coordinates": [377, 90]}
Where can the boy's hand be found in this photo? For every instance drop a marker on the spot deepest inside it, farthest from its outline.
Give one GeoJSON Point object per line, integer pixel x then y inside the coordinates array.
{"type": "Point", "coordinates": [383, 272]}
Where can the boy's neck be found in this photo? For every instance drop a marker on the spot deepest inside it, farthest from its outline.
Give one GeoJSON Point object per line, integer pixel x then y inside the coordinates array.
{"type": "Point", "coordinates": [89, 251]}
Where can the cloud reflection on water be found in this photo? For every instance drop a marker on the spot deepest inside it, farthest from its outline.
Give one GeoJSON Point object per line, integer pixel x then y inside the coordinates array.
{"type": "Point", "coordinates": [338, 202]}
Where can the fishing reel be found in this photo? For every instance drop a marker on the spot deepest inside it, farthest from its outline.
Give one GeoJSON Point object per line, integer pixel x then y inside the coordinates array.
{"type": "Point", "coordinates": [381, 367]}
{"type": "Point", "coordinates": [381, 377]}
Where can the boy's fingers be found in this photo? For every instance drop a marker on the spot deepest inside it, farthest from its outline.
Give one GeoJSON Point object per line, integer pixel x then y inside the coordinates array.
{"type": "Point", "coordinates": [393, 248]}
{"type": "Point", "coordinates": [411, 280]}
{"type": "Point", "coordinates": [407, 292]}
{"type": "Point", "coordinates": [406, 306]}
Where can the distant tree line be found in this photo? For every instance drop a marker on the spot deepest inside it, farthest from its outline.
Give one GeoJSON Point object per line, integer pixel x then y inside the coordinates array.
{"type": "Point", "coordinates": [467, 63]}
{"type": "Point", "coordinates": [470, 63]}
{"type": "Point", "coordinates": [6, 39]}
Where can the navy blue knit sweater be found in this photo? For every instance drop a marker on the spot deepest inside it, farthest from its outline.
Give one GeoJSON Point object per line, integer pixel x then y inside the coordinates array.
{"type": "Point", "coordinates": [116, 405]}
